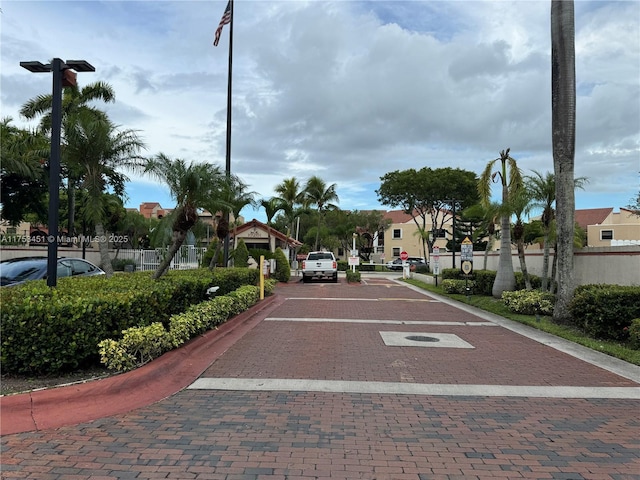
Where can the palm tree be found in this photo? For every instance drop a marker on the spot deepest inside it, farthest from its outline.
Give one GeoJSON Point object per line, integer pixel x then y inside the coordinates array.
{"type": "Point", "coordinates": [193, 186]}
{"type": "Point", "coordinates": [511, 181]}
{"type": "Point", "coordinates": [271, 207]}
{"type": "Point", "coordinates": [543, 192]}
{"type": "Point", "coordinates": [74, 100]}
{"type": "Point", "coordinates": [290, 193]}
{"type": "Point", "coordinates": [563, 126]}
{"type": "Point", "coordinates": [316, 192]}
{"type": "Point", "coordinates": [520, 205]}
{"type": "Point", "coordinates": [490, 216]}
{"type": "Point", "coordinates": [95, 143]}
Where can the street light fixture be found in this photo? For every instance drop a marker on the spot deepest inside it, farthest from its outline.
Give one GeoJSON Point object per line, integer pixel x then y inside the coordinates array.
{"type": "Point", "coordinates": [62, 76]}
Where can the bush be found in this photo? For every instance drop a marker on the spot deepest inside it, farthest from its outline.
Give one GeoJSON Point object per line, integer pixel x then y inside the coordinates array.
{"type": "Point", "coordinates": [52, 330]}
{"type": "Point", "coordinates": [241, 255]}
{"type": "Point", "coordinates": [142, 344]}
{"type": "Point", "coordinates": [118, 264]}
{"type": "Point", "coordinates": [354, 277]}
{"type": "Point", "coordinates": [634, 333]}
{"type": "Point", "coordinates": [603, 311]}
{"type": "Point", "coordinates": [210, 252]}
{"type": "Point", "coordinates": [458, 286]}
{"type": "Point", "coordinates": [283, 269]}
{"type": "Point", "coordinates": [529, 302]}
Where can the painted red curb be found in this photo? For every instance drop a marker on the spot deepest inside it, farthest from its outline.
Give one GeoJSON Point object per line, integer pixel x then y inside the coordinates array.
{"type": "Point", "coordinates": [163, 377]}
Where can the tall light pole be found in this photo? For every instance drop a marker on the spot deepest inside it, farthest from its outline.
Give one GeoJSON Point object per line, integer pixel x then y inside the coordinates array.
{"type": "Point", "coordinates": [62, 76]}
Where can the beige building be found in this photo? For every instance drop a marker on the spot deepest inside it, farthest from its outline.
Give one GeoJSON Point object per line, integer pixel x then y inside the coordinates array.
{"type": "Point", "coordinates": [606, 228]}
{"type": "Point", "coordinates": [403, 236]}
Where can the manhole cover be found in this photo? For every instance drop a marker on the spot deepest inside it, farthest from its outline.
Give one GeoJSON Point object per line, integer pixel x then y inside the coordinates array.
{"type": "Point", "coordinates": [422, 338]}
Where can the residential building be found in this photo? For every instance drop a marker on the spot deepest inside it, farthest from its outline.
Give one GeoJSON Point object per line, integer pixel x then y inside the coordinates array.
{"type": "Point", "coordinates": [605, 228]}
{"type": "Point", "coordinates": [403, 235]}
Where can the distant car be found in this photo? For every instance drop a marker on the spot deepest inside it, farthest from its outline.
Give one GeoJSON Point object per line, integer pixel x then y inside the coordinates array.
{"type": "Point", "coordinates": [18, 270]}
{"type": "Point", "coordinates": [414, 262]}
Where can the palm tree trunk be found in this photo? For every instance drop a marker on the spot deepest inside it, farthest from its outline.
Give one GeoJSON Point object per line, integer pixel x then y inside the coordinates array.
{"type": "Point", "coordinates": [545, 261]}
{"type": "Point", "coordinates": [486, 251]}
{"type": "Point", "coordinates": [554, 270]}
{"type": "Point", "coordinates": [505, 277]}
{"type": "Point", "coordinates": [214, 260]}
{"type": "Point", "coordinates": [563, 110]}
{"type": "Point", "coordinates": [103, 246]}
{"type": "Point", "coordinates": [177, 240]}
{"type": "Point", "coordinates": [523, 264]}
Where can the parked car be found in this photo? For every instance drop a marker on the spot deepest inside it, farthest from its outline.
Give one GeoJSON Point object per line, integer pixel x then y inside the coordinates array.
{"type": "Point", "coordinates": [414, 262]}
{"type": "Point", "coordinates": [18, 270]}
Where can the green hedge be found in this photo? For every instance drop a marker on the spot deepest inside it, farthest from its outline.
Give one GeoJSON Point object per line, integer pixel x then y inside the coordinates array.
{"type": "Point", "coordinates": [605, 311]}
{"type": "Point", "coordinates": [51, 330]}
{"type": "Point", "coordinates": [140, 345]}
{"type": "Point", "coordinates": [483, 279]}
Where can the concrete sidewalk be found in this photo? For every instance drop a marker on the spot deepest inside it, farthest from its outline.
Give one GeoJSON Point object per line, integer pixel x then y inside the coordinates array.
{"type": "Point", "coordinates": [372, 381]}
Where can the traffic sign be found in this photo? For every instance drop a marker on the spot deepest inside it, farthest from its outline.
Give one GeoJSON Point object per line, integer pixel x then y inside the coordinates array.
{"type": "Point", "coordinates": [404, 255]}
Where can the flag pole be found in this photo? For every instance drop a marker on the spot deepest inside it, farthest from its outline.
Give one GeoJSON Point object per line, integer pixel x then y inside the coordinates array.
{"type": "Point", "coordinates": [228, 148]}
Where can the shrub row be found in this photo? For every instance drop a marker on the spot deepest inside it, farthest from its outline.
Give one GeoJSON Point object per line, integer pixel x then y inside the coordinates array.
{"type": "Point", "coordinates": [605, 311]}
{"type": "Point", "coordinates": [529, 302]}
{"type": "Point", "coordinates": [139, 345]}
{"type": "Point", "coordinates": [51, 330]}
{"type": "Point", "coordinates": [484, 279]}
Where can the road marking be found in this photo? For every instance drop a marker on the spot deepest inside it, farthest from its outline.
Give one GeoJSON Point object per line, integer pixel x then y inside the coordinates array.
{"type": "Point", "coordinates": [427, 300]}
{"type": "Point", "coordinates": [402, 388]}
{"type": "Point", "coordinates": [390, 322]}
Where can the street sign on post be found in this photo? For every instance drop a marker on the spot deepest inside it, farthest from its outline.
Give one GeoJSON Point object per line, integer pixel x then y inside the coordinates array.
{"type": "Point", "coordinates": [435, 260]}
{"type": "Point", "coordinates": [466, 256]}
{"type": "Point", "coordinates": [404, 255]}
{"type": "Point", "coordinates": [466, 250]}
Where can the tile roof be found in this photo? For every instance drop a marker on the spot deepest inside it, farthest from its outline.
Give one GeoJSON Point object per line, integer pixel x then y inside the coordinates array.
{"type": "Point", "coordinates": [592, 216]}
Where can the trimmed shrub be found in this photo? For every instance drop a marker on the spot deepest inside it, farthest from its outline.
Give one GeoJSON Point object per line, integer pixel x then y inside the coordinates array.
{"type": "Point", "coordinates": [603, 311]}
{"type": "Point", "coordinates": [140, 345]}
{"type": "Point", "coordinates": [458, 286]}
{"type": "Point", "coordinates": [52, 330]}
{"type": "Point", "coordinates": [283, 269]}
{"type": "Point", "coordinates": [354, 277]}
{"type": "Point", "coordinates": [529, 302]}
{"type": "Point", "coordinates": [634, 333]}
{"type": "Point", "coordinates": [241, 255]}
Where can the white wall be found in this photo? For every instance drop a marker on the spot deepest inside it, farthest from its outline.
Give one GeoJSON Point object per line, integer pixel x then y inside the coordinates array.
{"type": "Point", "coordinates": [608, 265]}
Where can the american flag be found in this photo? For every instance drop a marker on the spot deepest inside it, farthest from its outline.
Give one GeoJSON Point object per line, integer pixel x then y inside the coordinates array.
{"type": "Point", "coordinates": [226, 18]}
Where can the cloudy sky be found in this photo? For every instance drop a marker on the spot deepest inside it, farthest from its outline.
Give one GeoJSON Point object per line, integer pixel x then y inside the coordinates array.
{"type": "Point", "coordinates": [347, 90]}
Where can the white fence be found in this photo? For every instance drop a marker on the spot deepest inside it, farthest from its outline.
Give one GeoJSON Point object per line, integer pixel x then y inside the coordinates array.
{"type": "Point", "coordinates": [188, 257]}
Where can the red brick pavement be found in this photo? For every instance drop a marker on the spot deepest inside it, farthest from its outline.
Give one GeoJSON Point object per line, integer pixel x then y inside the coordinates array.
{"type": "Point", "coordinates": [308, 435]}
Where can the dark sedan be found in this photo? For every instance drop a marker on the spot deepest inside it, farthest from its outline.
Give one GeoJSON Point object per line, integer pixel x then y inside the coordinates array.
{"type": "Point", "coordinates": [19, 270]}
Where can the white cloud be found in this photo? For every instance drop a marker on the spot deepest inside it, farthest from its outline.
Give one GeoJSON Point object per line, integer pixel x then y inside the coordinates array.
{"type": "Point", "coordinates": [347, 90]}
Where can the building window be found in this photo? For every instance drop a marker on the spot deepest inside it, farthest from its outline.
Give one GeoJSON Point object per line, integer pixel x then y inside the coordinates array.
{"type": "Point", "coordinates": [440, 233]}
{"type": "Point", "coordinates": [396, 251]}
{"type": "Point", "coordinates": [397, 233]}
{"type": "Point", "coordinates": [606, 234]}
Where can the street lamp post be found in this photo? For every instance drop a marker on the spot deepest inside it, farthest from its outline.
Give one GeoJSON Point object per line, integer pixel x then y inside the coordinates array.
{"type": "Point", "coordinates": [62, 76]}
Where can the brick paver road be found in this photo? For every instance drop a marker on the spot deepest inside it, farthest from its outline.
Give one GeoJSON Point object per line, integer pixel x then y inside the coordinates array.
{"type": "Point", "coordinates": [313, 392]}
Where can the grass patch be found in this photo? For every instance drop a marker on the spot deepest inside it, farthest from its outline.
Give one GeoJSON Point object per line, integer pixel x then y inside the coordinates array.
{"type": "Point", "coordinates": [546, 324]}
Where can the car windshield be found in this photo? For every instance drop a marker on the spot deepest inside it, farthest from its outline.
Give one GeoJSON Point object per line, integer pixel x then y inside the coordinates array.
{"type": "Point", "coordinates": [23, 270]}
